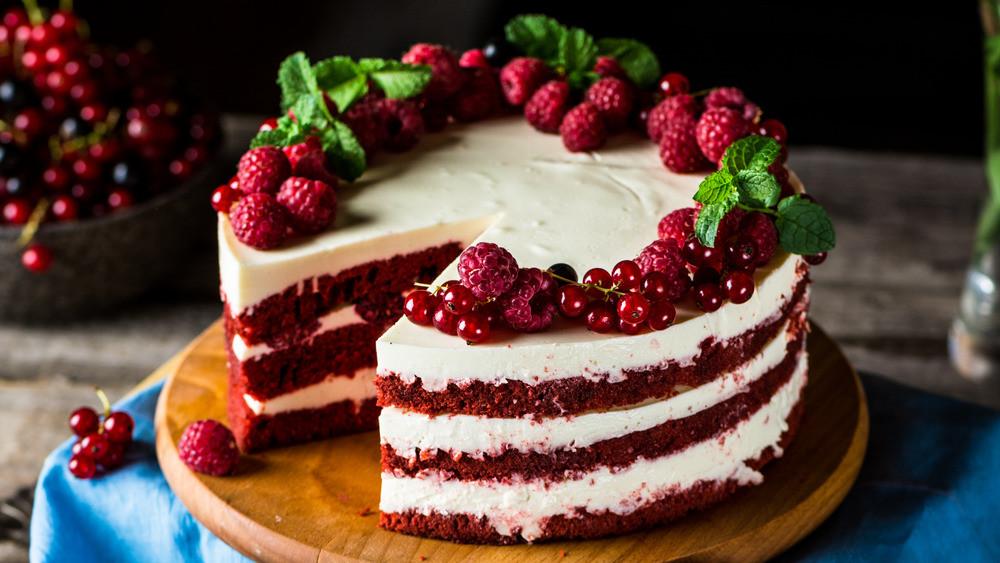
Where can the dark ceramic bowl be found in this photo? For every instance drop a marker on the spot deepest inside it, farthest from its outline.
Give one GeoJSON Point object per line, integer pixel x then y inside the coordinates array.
{"type": "Point", "coordinates": [102, 262]}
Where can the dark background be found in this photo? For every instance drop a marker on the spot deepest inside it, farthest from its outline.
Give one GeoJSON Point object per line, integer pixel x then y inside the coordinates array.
{"type": "Point", "coordinates": [885, 76]}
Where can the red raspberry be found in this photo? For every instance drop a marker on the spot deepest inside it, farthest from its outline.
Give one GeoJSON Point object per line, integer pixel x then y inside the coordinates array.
{"type": "Point", "coordinates": [677, 225]}
{"type": "Point", "coordinates": [259, 221]}
{"type": "Point", "coordinates": [403, 123]}
{"type": "Point", "coordinates": [762, 229]}
{"type": "Point", "coordinates": [613, 99]}
{"type": "Point", "coordinates": [547, 106]}
{"type": "Point", "coordinates": [530, 303]}
{"type": "Point", "coordinates": [674, 108]}
{"type": "Point", "coordinates": [606, 67]}
{"type": "Point", "coordinates": [311, 204]}
{"type": "Point", "coordinates": [474, 58]}
{"type": "Point", "coordinates": [734, 98]}
{"type": "Point", "coordinates": [207, 446]}
{"type": "Point", "coordinates": [446, 74]}
{"type": "Point", "coordinates": [665, 256]}
{"type": "Point", "coordinates": [583, 129]}
{"type": "Point", "coordinates": [679, 149]}
{"type": "Point", "coordinates": [262, 170]}
{"type": "Point", "coordinates": [478, 98]}
{"type": "Point", "coordinates": [487, 269]}
{"type": "Point", "coordinates": [366, 119]}
{"type": "Point", "coordinates": [521, 77]}
{"type": "Point", "coordinates": [717, 128]}
{"type": "Point", "coordinates": [308, 160]}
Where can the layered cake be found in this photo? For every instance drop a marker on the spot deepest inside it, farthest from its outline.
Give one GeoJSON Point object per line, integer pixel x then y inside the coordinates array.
{"type": "Point", "coordinates": [554, 425]}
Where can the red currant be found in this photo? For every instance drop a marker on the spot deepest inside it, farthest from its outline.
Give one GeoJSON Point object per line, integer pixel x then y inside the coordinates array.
{"type": "Point", "coordinates": [36, 258]}
{"type": "Point", "coordinates": [223, 198]}
{"type": "Point", "coordinates": [458, 299]}
{"type": "Point", "coordinates": [419, 307]}
{"type": "Point", "coordinates": [706, 275]}
{"type": "Point", "coordinates": [708, 297]}
{"type": "Point", "coordinates": [120, 198]}
{"type": "Point", "coordinates": [738, 286]}
{"type": "Point", "coordinates": [600, 316]}
{"type": "Point", "coordinates": [775, 129]}
{"type": "Point", "coordinates": [741, 250]}
{"type": "Point", "coordinates": [674, 83]}
{"type": "Point", "coordinates": [600, 278]}
{"type": "Point", "coordinates": [628, 328]}
{"type": "Point", "coordinates": [82, 466]}
{"type": "Point", "coordinates": [633, 308]}
{"type": "Point", "coordinates": [815, 259]}
{"type": "Point", "coordinates": [444, 321]}
{"type": "Point", "coordinates": [473, 327]}
{"type": "Point", "coordinates": [655, 285]}
{"type": "Point", "coordinates": [83, 421]}
{"type": "Point", "coordinates": [626, 275]}
{"type": "Point", "coordinates": [94, 445]}
{"type": "Point", "coordinates": [64, 208]}
{"type": "Point", "coordinates": [661, 315]}
{"type": "Point", "coordinates": [113, 457]}
{"type": "Point", "coordinates": [118, 427]}
{"type": "Point", "coordinates": [17, 211]}
{"type": "Point", "coordinates": [572, 300]}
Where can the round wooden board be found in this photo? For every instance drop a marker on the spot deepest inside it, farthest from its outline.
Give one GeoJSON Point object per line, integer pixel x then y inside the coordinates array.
{"type": "Point", "coordinates": [319, 501]}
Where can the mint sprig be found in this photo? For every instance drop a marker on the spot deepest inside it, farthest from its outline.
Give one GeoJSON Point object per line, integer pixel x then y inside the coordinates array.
{"type": "Point", "coordinates": [743, 181]}
{"type": "Point", "coordinates": [572, 52]}
{"type": "Point", "coordinates": [305, 87]}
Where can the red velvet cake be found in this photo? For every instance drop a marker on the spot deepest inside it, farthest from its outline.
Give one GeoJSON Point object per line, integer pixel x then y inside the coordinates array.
{"type": "Point", "coordinates": [660, 393]}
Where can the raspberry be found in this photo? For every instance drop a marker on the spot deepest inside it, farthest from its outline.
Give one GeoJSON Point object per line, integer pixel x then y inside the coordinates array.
{"type": "Point", "coordinates": [474, 58]}
{"type": "Point", "coordinates": [613, 99]}
{"type": "Point", "coordinates": [309, 161]}
{"type": "Point", "coordinates": [674, 108]}
{"type": "Point", "coordinates": [547, 106]}
{"type": "Point", "coordinates": [366, 119]}
{"type": "Point", "coordinates": [607, 67]}
{"type": "Point", "coordinates": [262, 170]}
{"type": "Point", "coordinates": [446, 73]}
{"type": "Point", "coordinates": [762, 229]}
{"type": "Point", "coordinates": [521, 77]}
{"type": "Point", "coordinates": [583, 129]}
{"type": "Point", "coordinates": [679, 149]}
{"type": "Point", "coordinates": [380, 307]}
{"type": "Point", "coordinates": [207, 446]}
{"type": "Point", "coordinates": [259, 221]}
{"type": "Point", "coordinates": [487, 269]}
{"type": "Point", "coordinates": [311, 204]}
{"type": "Point", "coordinates": [677, 225]}
{"type": "Point", "coordinates": [530, 303]}
{"type": "Point", "coordinates": [717, 128]}
{"type": "Point", "coordinates": [664, 256]}
{"type": "Point", "coordinates": [732, 98]}
{"type": "Point", "coordinates": [404, 124]}
{"type": "Point", "coordinates": [478, 98]}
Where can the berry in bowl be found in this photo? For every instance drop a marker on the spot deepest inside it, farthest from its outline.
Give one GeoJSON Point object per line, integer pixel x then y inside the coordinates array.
{"type": "Point", "coordinates": [105, 164]}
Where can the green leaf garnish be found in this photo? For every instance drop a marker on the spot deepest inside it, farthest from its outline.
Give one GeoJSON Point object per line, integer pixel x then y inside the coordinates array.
{"type": "Point", "coordinates": [804, 227]}
{"type": "Point", "coordinates": [744, 181]}
{"type": "Point", "coordinates": [635, 57]}
{"type": "Point", "coordinates": [536, 36]}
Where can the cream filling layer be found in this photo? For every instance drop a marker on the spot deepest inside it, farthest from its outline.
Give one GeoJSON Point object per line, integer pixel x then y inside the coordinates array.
{"type": "Point", "coordinates": [333, 389]}
{"type": "Point", "coordinates": [333, 320]}
{"type": "Point", "coordinates": [521, 507]}
{"type": "Point", "coordinates": [407, 431]}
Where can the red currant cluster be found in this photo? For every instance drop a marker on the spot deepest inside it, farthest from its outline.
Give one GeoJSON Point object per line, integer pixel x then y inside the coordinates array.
{"type": "Point", "coordinates": [102, 440]}
{"type": "Point", "coordinates": [85, 129]}
{"type": "Point", "coordinates": [623, 299]}
{"type": "Point", "coordinates": [453, 309]}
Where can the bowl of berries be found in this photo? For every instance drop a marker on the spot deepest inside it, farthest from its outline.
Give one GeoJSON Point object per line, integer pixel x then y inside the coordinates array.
{"type": "Point", "coordinates": [105, 164]}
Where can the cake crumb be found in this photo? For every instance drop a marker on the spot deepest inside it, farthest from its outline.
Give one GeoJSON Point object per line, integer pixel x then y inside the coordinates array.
{"type": "Point", "coordinates": [365, 511]}
{"type": "Point", "coordinates": [562, 553]}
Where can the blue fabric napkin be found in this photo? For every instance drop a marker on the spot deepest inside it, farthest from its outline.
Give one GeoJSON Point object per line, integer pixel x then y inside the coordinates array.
{"type": "Point", "coordinates": [927, 492]}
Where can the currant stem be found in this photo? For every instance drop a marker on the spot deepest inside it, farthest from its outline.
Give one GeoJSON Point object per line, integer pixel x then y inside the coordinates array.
{"type": "Point", "coordinates": [34, 12]}
{"type": "Point", "coordinates": [34, 221]}
{"type": "Point", "coordinates": [104, 400]}
{"type": "Point", "coordinates": [607, 291]}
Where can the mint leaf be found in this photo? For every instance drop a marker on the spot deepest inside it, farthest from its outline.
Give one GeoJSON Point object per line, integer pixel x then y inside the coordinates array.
{"type": "Point", "coordinates": [709, 217]}
{"type": "Point", "coordinates": [536, 36]}
{"type": "Point", "coordinates": [344, 151]}
{"type": "Point", "coordinates": [635, 57]}
{"type": "Point", "coordinates": [577, 51]}
{"type": "Point", "coordinates": [296, 78]}
{"type": "Point", "coordinates": [757, 189]}
{"type": "Point", "coordinates": [332, 72]}
{"type": "Point", "coordinates": [715, 188]}
{"type": "Point", "coordinates": [753, 152]}
{"type": "Point", "coordinates": [397, 79]}
{"type": "Point", "coordinates": [804, 227]}
{"type": "Point", "coordinates": [288, 132]}
{"type": "Point", "coordinates": [346, 93]}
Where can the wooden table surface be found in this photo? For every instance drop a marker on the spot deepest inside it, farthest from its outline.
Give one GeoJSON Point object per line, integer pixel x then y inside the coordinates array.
{"type": "Point", "coordinates": [887, 294]}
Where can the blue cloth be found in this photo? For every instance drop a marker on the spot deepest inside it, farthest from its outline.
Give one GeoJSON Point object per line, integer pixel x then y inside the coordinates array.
{"type": "Point", "coordinates": [927, 492]}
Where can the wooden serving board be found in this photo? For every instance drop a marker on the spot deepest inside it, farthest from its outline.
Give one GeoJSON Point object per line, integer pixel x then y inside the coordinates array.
{"type": "Point", "coordinates": [319, 501]}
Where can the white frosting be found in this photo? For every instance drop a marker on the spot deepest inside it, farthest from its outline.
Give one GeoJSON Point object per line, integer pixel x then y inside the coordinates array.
{"type": "Point", "coordinates": [355, 387]}
{"type": "Point", "coordinates": [407, 431]}
{"type": "Point", "coordinates": [517, 506]}
{"type": "Point", "coordinates": [333, 320]}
